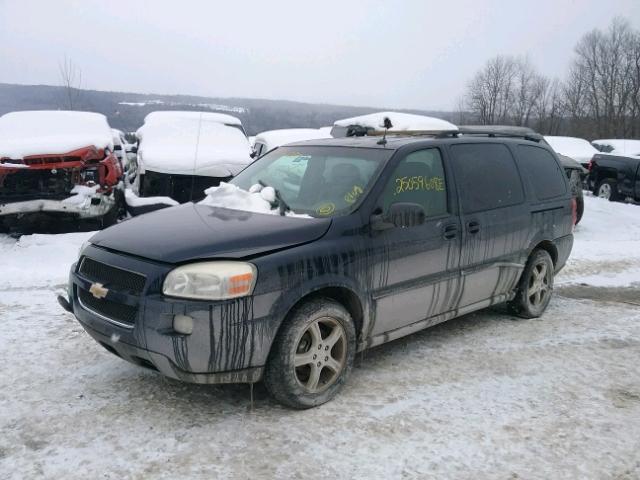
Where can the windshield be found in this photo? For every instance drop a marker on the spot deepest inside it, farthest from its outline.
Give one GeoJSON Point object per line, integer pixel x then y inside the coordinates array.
{"type": "Point", "coordinates": [318, 181]}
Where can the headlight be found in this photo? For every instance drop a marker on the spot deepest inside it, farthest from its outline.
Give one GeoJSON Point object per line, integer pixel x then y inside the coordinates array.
{"type": "Point", "coordinates": [211, 280]}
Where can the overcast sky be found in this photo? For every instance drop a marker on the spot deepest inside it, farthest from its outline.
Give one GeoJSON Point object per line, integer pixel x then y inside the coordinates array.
{"type": "Point", "coordinates": [411, 54]}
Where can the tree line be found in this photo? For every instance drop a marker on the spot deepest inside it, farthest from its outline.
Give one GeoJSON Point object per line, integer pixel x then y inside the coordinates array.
{"type": "Point", "coordinates": [599, 98]}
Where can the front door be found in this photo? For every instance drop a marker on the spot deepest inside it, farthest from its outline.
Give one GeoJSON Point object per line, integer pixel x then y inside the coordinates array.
{"type": "Point", "coordinates": [418, 271]}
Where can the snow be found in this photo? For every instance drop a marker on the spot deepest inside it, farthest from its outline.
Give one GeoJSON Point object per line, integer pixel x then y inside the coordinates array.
{"type": "Point", "coordinates": [191, 143]}
{"type": "Point", "coordinates": [274, 138]}
{"type": "Point", "coordinates": [606, 250]}
{"type": "Point", "coordinates": [210, 106]}
{"type": "Point", "coordinates": [258, 199]}
{"type": "Point", "coordinates": [620, 146]}
{"type": "Point", "coordinates": [400, 122]}
{"type": "Point", "coordinates": [577, 148]}
{"type": "Point", "coordinates": [485, 396]}
{"type": "Point", "coordinates": [171, 115]}
{"type": "Point", "coordinates": [23, 134]}
{"type": "Point", "coordinates": [81, 195]}
{"type": "Point", "coordinates": [135, 201]}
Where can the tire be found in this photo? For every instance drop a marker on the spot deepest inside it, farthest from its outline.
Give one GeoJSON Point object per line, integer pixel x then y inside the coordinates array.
{"type": "Point", "coordinates": [607, 189]}
{"type": "Point", "coordinates": [535, 287]}
{"type": "Point", "coordinates": [317, 378]}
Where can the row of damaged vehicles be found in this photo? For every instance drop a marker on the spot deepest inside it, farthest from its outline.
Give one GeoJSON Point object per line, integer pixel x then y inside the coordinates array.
{"type": "Point", "coordinates": [65, 169]}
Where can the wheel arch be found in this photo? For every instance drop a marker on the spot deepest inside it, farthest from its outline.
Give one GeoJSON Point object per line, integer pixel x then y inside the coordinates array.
{"type": "Point", "coordinates": [549, 247]}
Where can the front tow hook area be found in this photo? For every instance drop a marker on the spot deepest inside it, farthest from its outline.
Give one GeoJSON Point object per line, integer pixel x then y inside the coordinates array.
{"type": "Point", "coordinates": [64, 303]}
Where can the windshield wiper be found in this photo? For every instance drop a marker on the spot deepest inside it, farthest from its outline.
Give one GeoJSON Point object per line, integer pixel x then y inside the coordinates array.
{"type": "Point", "coordinates": [283, 207]}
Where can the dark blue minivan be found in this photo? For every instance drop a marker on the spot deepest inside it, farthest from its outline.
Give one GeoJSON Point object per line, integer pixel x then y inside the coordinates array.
{"type": "Point", "coordinates": [368, 240]}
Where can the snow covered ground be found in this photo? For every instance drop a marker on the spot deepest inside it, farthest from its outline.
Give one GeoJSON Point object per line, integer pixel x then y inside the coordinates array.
{"type": "Point", "coordinates": [483, 396]}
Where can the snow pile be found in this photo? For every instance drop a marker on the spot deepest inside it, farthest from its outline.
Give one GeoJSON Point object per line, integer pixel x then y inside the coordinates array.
{"type": "Point", "coordinates": [258, 199]}
{"type": "Point", "coordinates": [135, 201]}
{"type": "Point", "coordinates": [81, 195]}
{"type": "Point", "coordinates": [606, 248]}
{"type": "Point", "coordinates": [36, 261]}
{"type": "Point", "coordinates": [274, 138]}
{"type": "Point", "coordinates": [23, 134]}
{"type": "Point", "coordinates": [619, 146]}
{"type": "Point", "coordinates": [400, 122]}
{"type": "Point", "coordinates": [190, 143]}
{"type": "Point", "coordinates": [577, 148]}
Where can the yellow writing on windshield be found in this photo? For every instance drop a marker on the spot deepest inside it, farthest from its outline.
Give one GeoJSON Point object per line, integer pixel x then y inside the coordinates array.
{"type": "Point", "coordinates": [326, 209]}
{"type": "Point", "coordinates": [353, 195]}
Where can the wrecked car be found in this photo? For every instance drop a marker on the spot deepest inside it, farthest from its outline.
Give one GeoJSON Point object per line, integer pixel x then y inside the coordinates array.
{"type": "Point", "coordinates": [324, 248]}
{"type": "Point", "coordinates": [56, 166]}
{"type": "Point", "coordinates": [181, 154]}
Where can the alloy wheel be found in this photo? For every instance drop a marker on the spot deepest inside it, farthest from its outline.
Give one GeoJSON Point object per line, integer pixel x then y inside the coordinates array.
{"type": "Point", "coordinates": [605, 191]}
{"type": "Point", "coordinates": [539, 284]}
{"type": "Point", "coordinates": [320, 354]}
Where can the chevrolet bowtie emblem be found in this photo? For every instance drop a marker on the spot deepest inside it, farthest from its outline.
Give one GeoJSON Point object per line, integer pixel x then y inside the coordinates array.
{"type": "Point", "coordinates": [98, 290]}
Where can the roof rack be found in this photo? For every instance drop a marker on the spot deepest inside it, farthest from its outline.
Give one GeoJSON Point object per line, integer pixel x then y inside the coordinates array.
{"type": "Point", "coordinates": [508, 131]}
{"type": "Point", "coordinates": [414, 133]}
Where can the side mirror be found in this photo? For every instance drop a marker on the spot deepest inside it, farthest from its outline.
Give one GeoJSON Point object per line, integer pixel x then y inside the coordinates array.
{"type": "Point", "coordinates": [401, 215]}
{"type": "Point", "coordinates": [133, 149]}
{"type": "Point", "coordinates": [253, 154]}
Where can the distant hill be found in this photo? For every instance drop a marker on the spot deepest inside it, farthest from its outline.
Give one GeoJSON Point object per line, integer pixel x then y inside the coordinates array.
{"type": "Point", "coordinates": [126, 111]}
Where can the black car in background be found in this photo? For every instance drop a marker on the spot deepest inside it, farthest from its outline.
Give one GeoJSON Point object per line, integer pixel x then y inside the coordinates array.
{"type": "Point", "coordinates": [391, 236]}
{"type": "Point", "coordinates": [615, 177]}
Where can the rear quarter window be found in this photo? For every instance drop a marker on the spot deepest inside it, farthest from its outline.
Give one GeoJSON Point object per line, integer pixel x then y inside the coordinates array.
{"type": "Point", "coordinates": [487, 176]}
{"type": "Point", "coordinates": [543, 172]}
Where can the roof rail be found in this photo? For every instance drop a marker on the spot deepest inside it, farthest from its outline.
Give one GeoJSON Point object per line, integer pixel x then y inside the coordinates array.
{"type": "Point", "coordinates": [508, 131]}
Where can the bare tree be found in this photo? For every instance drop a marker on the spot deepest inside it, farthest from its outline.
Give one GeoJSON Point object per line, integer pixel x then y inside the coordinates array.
{"type": "Point", "coordinates": [71, 80]}
{"type": "Point", "coordinates": [602, 82]}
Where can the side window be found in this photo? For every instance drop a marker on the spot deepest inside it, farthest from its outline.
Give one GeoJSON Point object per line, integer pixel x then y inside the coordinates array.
{"type": "Point", "coordinates": [418, 178]}
{"type": "Point", "coordinates": [543, 171]}
{"type": "Point", "coordinates": [486, 176]}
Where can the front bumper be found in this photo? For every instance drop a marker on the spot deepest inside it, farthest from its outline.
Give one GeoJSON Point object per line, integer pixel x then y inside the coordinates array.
{"type": "Point", "coordinates": [229, 344]}
{"type": "Point", "coordinates": [94, 207]}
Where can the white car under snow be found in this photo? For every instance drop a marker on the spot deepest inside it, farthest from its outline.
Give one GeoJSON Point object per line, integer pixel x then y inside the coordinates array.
{"type": "Point", "coordinates": [271, 139]}
{"type": "Point", "coordinates": [180, 154]}
{"type": "Point", "coordinates": [577, 148]}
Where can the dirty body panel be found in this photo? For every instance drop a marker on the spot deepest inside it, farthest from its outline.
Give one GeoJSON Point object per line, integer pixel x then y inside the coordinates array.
{"type": "Point", "coordinates": [393, 281]}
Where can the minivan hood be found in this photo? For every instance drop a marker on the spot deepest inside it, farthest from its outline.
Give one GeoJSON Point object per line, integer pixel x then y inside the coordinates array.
{"type": "Point", "coordinates": [191, 231]}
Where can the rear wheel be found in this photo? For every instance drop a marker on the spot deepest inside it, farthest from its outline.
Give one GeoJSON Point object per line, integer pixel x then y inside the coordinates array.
{"type": "Point", "coordinates": [535, 287]}
{"type": "Point", "coordinates": [607, 189]}
{"type": "Point", "coordinates": [312, 355]}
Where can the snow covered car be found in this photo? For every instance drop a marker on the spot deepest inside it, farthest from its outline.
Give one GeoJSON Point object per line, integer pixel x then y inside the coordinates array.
{"type": "Point", "coordinates": [57, 165]}
{"type": "Point", "coordinates": [373, 124]}
{"type": "Point", "coordinates": [181, 154]}
{"type": "Point", "coordinates": [378, 240]}
{"type": "Point", "coordinates": [267, 141]}
{"type": "Point", "coordinates": [619, 146]}
{"type": "Point", "coordinates": [577, 148]}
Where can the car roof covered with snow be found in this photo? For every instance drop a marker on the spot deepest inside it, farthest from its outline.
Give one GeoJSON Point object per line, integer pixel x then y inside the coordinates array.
{"type": "Point", "coordinates": [275, 138]}
{"type": "Point", "coordinates": [400, 122]}
{"type": "Point", "coordinates": [51, 132]}
{"type": "Point", "coordinates": [165, 115]}
{"type": "Point", "coordinates": [191, 145]}
{"type": "Point", "coordinates": [620, 146]}
{"type": "Point", "coordinates": [577, 148]}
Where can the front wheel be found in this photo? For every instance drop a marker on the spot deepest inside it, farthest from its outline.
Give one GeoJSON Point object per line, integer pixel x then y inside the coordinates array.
{"type": "Point", "coordinates": [535, 287]}
{"type": "Point", "coordinates": [312, 355]}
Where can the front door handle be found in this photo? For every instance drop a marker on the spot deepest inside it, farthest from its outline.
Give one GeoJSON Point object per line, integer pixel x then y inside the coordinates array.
{"type": "Point", "coordinates": [473, 227]}
{"type": "Point", "coordinates": [450, 232]}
